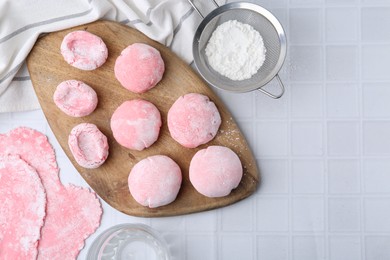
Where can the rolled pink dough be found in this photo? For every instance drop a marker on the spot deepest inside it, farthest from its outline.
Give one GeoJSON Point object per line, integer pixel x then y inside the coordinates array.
{"type": "Point", "coordinates": [136, 124]}
{"type": "Point", "coordinates": [155, 181]}
{"type": "Point", "coordinates": [72, 213]}
{"type": "Point", "coordinates": [88, 145]}
{"type": "Point", "coordinates": [75, 98]}
{"type": "Point", "coordinates": [193, 120]}
{"type": "Point", "coordinates": [22, 209]}
{"type": "Point", "coordinates": [215, 171]}
{"type": "Point", "coordinates": [84, 50]}
{"type": "Point", "coordinates": [139, 67]}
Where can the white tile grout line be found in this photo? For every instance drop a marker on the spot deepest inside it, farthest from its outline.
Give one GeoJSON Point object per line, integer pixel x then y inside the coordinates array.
{"type": "Point", "coordinates": [255, 251]}
{"type": "Point", "coordinates": [361, 134]}
{"type": "Point", "coordinates": [218, 242]}
{"type": "Point", "coordinates": [325, 137]}
{"type": "Point", "coordinates": [185, 238]}
{"type": "Point", "coordinates": [290, 253]}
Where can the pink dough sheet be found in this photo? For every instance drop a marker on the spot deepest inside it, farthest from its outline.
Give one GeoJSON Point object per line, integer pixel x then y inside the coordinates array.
{"type": "Point", "coordinates": [21, 213]}
{"type": "Point", "coordinates": [72, 213]}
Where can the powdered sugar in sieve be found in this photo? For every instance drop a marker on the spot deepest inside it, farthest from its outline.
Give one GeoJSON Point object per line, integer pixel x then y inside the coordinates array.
{"type": "Point", "coordinates": [236, 50]}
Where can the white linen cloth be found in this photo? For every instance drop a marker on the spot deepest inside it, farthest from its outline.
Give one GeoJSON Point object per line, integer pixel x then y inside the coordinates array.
{"type": "Point", "coordinates": [170, 22]}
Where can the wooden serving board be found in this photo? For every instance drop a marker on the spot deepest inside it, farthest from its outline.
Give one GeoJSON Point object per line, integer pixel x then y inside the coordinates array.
{"type": "Point", "coordinates": [48, 68]}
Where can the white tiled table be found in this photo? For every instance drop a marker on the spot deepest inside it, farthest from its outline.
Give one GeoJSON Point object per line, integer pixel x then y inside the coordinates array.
{"type": "Point", "coordinates": [323, 149]}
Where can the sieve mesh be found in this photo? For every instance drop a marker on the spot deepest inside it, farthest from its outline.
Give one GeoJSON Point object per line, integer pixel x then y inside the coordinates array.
{"type": "Point", "coordinates": [262, 21]}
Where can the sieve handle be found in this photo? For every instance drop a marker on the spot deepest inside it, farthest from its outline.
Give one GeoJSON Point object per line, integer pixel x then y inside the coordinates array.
{"type": "Point", "coordinates": [197, 10]}
{"type": "Point", "coordinates": [272, 95]}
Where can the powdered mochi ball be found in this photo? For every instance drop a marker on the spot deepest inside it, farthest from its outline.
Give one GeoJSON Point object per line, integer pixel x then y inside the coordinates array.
{"type": "Point", "coordinates": [136, 124]}
{"type": "Point", "coordinates": [139, 67]}
{"type": "Point", "coordinates": [84, 50]}
{"type": "Point", "coordinates": [155, 181]}
{"type": "Point", "coordinates": [193, 120]}
{"type": "Point", "coordinates": [215, 171]}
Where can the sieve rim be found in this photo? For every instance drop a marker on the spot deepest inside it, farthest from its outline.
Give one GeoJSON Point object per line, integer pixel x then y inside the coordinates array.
{"type": "Point", "coordinates": [241, 6]}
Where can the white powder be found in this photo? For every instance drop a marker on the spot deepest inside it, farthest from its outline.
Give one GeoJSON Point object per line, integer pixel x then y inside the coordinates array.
{"type": "Point", "coordinates": [236, 50]}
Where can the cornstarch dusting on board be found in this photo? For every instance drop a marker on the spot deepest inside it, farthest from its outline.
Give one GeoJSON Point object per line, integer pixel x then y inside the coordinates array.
{"type": "Point", "coordinates": [236, 50]}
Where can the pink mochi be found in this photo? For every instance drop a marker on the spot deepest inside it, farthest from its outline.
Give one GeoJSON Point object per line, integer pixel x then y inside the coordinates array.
{"type": "Point", "coordinates": [88, 145]}
{"type": "Point", "coordinates": [215, 171]}
{"type": "Point", "coordinates": [84, 50]}
{"type": "Point", "coordinates": [193, 120]}
{"type": "Point", "coordinates": [75, 98]}
{"type": "Point", "coordinates": [136, 124]}
{"type": "Point", "coordinates": [139, 67]}
{"type": "Point", "coordinates": [155, 181]}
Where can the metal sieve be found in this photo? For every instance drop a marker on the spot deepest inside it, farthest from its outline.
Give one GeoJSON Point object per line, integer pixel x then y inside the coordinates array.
{"type": "Point", "coordinates": [261, 20]}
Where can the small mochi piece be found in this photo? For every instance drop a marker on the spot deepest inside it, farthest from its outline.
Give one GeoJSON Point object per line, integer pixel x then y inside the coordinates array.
{"type": "Point", "coordinates": [193, 120]}
{"type": "Point", "coordinates": [136, 124]}
{"type": "Point", "coordinates": [84, 50]}
{"type": "Point", "coordinates": [88, 145]}
{"type": "Point", "coordinates": [139, 67]}
{"type": "Point", "coordinates": [215, 171]}
{"type": "Point", "coordinates": [155, 181]}
{"type": "Point", "coordinates": [75, 98]}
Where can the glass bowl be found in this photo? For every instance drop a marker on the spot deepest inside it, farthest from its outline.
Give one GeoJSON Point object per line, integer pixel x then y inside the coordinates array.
{"type": "Point", "coordinates": [129, 241]}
